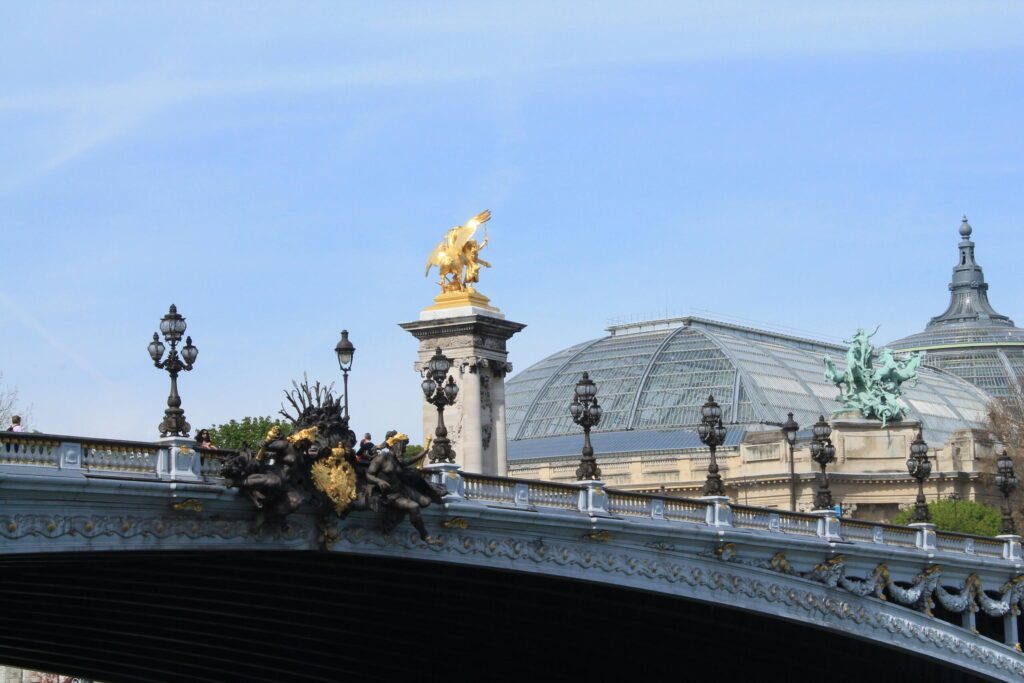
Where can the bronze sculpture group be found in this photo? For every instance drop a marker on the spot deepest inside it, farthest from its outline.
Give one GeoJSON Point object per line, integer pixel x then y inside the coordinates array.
{"type": "Point", "coordinates": [316, 466]}
{"type": "Point", "coordinates": [873, 390]}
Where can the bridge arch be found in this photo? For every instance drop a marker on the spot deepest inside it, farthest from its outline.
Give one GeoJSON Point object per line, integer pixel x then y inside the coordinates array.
{"type": "Point", "coordinates": [316, 616]}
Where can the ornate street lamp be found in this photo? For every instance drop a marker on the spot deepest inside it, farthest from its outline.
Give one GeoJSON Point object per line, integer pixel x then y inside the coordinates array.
{"type": "Point", "coordinates": [920, 468]}
{"type": "Point", "coordinates": [586, 412]}
{"type": "Point", "coordinates": [822, 452]}
{"type": "Point", "coordinates": [440, 395]}
{"type": "Point", "coordinates": [345, 351]}
{"type": "Point", "coordinates": [173, 327]}
{"type": "Point", "coordinates": [1006, 480]}
{"type": "Point", "coordinates": [789, 430]}
{"type": "Point", "coordinates": [712, 434]}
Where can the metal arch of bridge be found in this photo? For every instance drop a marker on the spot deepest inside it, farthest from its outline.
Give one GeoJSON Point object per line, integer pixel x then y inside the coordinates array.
{"type": "Point", "coordinates": [66, 497]}
{"type": "Point", "coordinates": [201, 616]}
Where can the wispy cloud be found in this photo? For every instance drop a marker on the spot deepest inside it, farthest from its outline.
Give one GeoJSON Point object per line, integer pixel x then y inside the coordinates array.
{"type": "Point", "coordinates": [479, 42]}
{"type": "Point", "coordinates": [51, 339]}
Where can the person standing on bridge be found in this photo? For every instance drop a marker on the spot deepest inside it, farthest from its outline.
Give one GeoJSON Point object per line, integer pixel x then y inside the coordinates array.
{"type": "Point", "coordinates": [16, 424]}
{"type": "Point", "coordinates": [365, 453]}
{"type": "Point", "coordinates": [203, 439]}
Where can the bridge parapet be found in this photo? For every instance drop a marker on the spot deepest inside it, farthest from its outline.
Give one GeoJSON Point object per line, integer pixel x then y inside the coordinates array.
{"type": "Point", "coordinates": [177, 459]}
{"type": "Point", "coordinates": [172, 458]}
{"type": "Point", "coordinates": [631, 505]}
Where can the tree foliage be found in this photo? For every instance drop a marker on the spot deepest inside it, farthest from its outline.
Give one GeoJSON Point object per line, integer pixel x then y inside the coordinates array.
{"type": "Point", "coordinates": [960, 516]}
{"type": "Point", "coordinates": [9, 405]}
{"type": "Point", "coordinates": [251, 430]}
{"type": "Point", "coordinates": [1006, 418]}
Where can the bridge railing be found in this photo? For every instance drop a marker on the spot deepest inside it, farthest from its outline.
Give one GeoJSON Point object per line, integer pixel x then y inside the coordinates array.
{"type": "Point", "coordinates": [614, 503]}
{"type": "Point", "coordinates": [172, 459]}
{"type": "Point", "coordinates": [178, 459]}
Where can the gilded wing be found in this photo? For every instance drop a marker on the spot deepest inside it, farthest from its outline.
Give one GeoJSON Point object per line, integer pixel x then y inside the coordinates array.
{"type": "Point", "coordinates": [436, 257]}
{"type": "Point", "coordinates": [449, 248]}
{"type": "Point", "coordinates": [465, 232]}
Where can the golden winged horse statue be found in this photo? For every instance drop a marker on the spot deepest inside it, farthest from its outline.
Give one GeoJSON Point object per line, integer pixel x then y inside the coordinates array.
{"type": "Point", "coordinates": [457, 256]}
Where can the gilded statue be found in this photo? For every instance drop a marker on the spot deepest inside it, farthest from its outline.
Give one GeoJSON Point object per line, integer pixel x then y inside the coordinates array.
{"type": "Point", "coordinates": [457, 256]}
{"type": "Point", "coordinates": [874, 391]}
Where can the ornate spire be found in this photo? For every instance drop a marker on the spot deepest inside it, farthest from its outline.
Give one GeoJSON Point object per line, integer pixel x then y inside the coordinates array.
{"type": "Point", "coordinates": [968, 302]}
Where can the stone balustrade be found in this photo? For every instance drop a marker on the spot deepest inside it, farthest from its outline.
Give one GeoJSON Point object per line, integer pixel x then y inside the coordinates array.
{"type": "Point", "coordinates": [173, 458]}
{"type": "Point", "coordinates": [629, 504]}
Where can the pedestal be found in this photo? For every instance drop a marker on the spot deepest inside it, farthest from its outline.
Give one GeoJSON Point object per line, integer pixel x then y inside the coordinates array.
{"type": "Point", "coordinates": [718, 511]}
{"type": "Point", "coordinates": [473, 334]}
{"type": "Point", "coordinates": [828, 524]}
{"type": "Point", "coordinates": [1011, 546]}
{"type": "Point", "coordinates": [447, 474]}
{"type": "Point", "coordinates": [925, 535]}
{"type": "Point", "coordinates": [870, 445]}
{"type": "Point", "coordinates": [180, 460]}
{"type": "Point", "coordinates": [593, 498]}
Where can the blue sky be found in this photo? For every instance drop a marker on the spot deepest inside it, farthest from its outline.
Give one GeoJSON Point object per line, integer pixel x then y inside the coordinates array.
{"type": "Point", "coordinates": [281, 170]}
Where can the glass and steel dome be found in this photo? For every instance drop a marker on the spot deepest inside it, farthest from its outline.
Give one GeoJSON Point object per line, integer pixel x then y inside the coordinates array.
{"type": "Point", "coordinates": [653, 377]}
{"type": "Point", "coordinates": [970, 339]}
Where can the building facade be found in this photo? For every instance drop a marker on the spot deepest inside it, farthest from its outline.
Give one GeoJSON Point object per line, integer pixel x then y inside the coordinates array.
{"type": "Point", "coordinates": [653, 378]}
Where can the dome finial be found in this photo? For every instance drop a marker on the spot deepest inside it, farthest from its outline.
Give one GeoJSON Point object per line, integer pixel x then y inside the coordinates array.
{"type": "Point", "coordinates": [965, 228]}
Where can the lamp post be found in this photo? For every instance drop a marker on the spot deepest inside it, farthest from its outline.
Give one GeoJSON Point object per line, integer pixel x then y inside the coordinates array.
{"type": "Point", "coordinates": [586, 412]}
{"type": "Point", "coordinates": [173, 327]}
{"type": "Point", "coordinates": [823, 452]}
{"type": "Point", "coordinates": [440, 395]}
{"type": "Point", "coordinates": [955, 497]}
{"type": "Point", "coordinates": [1006, 480]}
{"type": "Point", "coordinates": [789, 430]}
{"type": "Point", "coordinates": [345, 351]}
{"type": "Point", "coordinates": [920, 468]}
{"type": "Point", "coordinates": [712, 434]}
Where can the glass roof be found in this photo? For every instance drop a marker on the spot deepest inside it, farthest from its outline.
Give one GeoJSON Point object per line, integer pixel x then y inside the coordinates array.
{"type": "Point", "coordinates": [656, 377]}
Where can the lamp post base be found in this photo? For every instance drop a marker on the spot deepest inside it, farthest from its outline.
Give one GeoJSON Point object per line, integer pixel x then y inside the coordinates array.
{"type": "Point", "coordinates": [174, 423]}
{"type": "Point", "coordinates": [713, 485]}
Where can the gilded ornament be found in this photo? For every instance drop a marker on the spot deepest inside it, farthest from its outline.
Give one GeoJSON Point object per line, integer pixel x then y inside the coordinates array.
{"type": "Point", "coordinates": [780, 564]}
{"type": "Point", "coordinates": [455, 523]}
{"type": "Point", "coordinates": [726, 552]}
{"type": "Point", "coordinates": [307, 434]}
{"type": "Point", "coordinates": [189, 504]}
{"type": "Point", "coordinates": [336, 478]}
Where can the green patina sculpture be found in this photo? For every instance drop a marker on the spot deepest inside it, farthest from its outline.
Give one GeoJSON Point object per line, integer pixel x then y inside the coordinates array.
{"type": "Point", "coordinates": [874, 391]}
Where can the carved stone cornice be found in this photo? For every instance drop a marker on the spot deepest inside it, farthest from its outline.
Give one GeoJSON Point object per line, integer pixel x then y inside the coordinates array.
{"type": "Point", "coordinates": [18, 526]}
{"type": "Point", "coordinates": [464, 325]}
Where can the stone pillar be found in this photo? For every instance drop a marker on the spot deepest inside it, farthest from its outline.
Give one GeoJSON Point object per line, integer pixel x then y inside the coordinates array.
{"type": "Point", "coordinates": [498, 411]}
{"type": "Point", "coordinates": [474, 335]}
{"type": "Point", "coordinates": [467, 454]}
